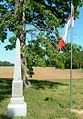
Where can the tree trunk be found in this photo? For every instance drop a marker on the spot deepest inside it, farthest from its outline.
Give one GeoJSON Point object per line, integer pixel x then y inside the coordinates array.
{"type": "Point", "coordinates": [25, 75]}
{"type": "Point", "coordinates": [22, 37]}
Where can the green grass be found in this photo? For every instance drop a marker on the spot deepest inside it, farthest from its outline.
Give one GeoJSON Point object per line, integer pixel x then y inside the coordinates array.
{"type": "Point", "coordinates": [45, 99]}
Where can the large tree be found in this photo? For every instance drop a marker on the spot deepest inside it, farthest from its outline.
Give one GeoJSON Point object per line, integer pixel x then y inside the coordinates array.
{"type": "Point", "coordinates": [42, 52]}
{"type": "Point", "coordinates": [44, 15]}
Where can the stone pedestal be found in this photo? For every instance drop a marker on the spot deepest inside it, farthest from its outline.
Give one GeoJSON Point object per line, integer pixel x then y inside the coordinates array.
{"type": "Point", "coordinates": [16, 109]}
{"type": "Point", "coordinates": [17, 105]}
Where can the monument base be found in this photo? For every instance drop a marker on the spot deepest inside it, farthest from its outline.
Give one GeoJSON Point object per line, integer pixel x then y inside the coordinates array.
{"type": "Point", "coordinates": [17, 109]}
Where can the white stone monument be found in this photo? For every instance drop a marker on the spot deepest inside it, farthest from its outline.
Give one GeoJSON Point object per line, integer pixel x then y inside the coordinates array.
{"type": "Point", "coordinates": [17, 106]}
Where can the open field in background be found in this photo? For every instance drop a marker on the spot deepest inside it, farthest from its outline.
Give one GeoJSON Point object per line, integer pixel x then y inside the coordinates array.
{"type": "Point", "coordinates": [46, 99]}
{"type": "Point", "coordinates": [6, 72]}
{"type": "Point", "coordinates": [44, 73]}
{"type": "Point", "coordinates": [53, 73]}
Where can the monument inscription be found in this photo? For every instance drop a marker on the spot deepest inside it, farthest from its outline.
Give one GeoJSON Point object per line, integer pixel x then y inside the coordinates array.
{"type": "Point", "coordinates": [17, 89]}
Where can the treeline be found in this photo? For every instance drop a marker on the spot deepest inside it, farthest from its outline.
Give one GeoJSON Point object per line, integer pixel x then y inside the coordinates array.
{"type": "Point", "coordinates": [6, 63]}
{"type": "Point", "coordinates": [43, 52]}
{"type": "Point", "coordinates": [77, 56]}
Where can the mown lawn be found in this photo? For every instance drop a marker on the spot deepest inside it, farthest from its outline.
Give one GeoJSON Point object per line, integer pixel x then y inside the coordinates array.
{"type": "Point", "coordinates": [45, 99]}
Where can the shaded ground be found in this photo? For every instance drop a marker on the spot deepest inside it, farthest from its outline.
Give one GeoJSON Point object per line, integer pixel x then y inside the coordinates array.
{"type": "Point", "coordinates": [42, 84]}
{"type": "Point", "coordinates": [44, 73]}
{"type": "Point", "coordinates": [5, 88]}
{"type": "Point", "coordinates": [5, 93]}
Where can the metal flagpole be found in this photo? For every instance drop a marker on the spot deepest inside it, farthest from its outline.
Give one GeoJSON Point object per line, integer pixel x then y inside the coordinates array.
{"type": "Point", "coordinates": [71, 40]}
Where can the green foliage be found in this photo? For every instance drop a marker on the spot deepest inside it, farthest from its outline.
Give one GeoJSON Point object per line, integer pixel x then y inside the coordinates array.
{"type": "Point", "coordinates": [77, 57]}
{"type": "Point", "coordinates": [43, 14]}
{"type": "Point", "coordinates": [6, 63]}
{"type": "Point", "coordinates": [12, 41]}
{"type": "Point", "coordinates": [41, 52]}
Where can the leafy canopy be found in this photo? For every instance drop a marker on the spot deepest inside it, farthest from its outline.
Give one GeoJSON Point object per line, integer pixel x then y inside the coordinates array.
{"type": "Point", "coordinates": [47, 15]}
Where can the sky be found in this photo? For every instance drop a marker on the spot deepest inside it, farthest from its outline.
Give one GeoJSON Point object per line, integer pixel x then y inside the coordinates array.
{"type": "Point", "coordinates": [77, 38]}
{"type": "Point", "coordinates": [78, 29]}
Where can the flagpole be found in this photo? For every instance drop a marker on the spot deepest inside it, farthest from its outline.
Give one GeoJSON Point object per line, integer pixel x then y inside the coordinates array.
{"type": "Point", "coordinates": [71, 40]}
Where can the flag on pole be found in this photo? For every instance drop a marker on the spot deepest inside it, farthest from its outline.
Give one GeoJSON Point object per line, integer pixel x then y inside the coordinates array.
{"type": "Point", "coordinates": [70, 23]}
{"type": "Point", "coordinates": [71, 38]}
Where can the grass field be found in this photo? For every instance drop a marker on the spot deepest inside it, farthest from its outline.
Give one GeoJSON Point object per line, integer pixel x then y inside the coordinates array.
{"type": "Point", "coordinates": [46, 99]}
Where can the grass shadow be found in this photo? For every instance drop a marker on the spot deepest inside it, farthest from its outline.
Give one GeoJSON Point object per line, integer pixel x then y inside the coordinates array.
{"type": "Point", "coordinates": [3, 116]}
{"type": "Point", "coordinates": [37, 84]}
{"type": "Point", "coordinates": [5, 88]}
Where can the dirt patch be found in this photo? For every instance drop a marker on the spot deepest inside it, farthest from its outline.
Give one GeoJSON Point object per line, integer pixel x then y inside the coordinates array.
{"type": "Point", "coordinates": [44, 73]}
{"type": "Point", "coordinates": [78, 112]}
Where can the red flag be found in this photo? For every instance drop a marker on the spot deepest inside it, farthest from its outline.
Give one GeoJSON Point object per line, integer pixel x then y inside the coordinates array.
{"type": "Point", "coordinates": [61, 43]}
{"type": "Point", "coordinates": [70, 22]}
